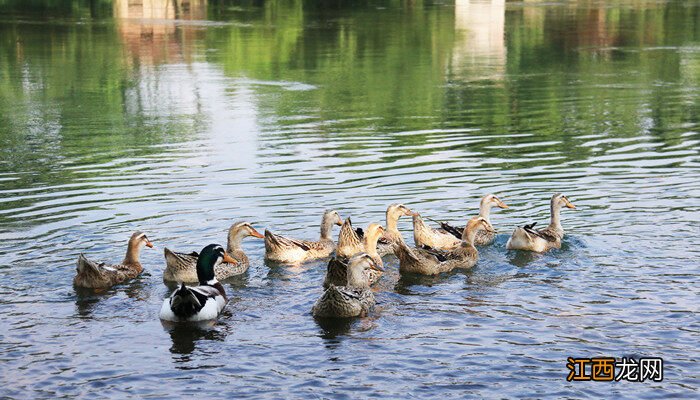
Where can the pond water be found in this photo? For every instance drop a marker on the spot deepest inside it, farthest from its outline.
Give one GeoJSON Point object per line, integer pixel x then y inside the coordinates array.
{"type": "Point", "coordinates": [179, 118]}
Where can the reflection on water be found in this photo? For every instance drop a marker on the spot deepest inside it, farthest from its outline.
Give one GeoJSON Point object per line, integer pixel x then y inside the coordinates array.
{"type": "Point", "coordinates": [185, 337]}
{"type": "Point", "coordinates": [179, 118]}
{"type": "Point", "coordinates": [480, 48]}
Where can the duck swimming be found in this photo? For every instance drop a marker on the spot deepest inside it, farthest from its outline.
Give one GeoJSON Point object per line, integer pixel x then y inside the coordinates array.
{"type": "Point", "coordinates": [355, 299]}
{"type": "Point", "coordinates": [96, 275]}
{"type": "Point", "coordinates": [428, 261]}
{"type": "Point", "coordinates": [293, 251]}
{"type": "Point", "coordinates": [541, 240]}
{"type": "Point", "coordinates": [450, 236]}
{"type": "Point", "coordinates": [203, 302]}
{"type": "Point", "coordinates": [336, 273]}
{"type": "Point", "coordinates": [182, 267]}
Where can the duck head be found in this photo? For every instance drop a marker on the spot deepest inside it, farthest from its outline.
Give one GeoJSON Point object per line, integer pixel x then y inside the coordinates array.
{"type": "Point", "coordinates": [137, 241]}
{"type": "Point", "coordinates": [208, 259]}
{"type": "Point", "coordinates": [357, 265]}
{"type": "Point", "coordinates": [559, 201]}
{"type": "Point", "coordinates": [475, 225]}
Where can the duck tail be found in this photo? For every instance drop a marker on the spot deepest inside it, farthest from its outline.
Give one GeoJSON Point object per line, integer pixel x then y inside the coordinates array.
{"type": "Point", "coordinates": [85, 266]}
{"type": "Point", "coordinates": [452, 230]}
{"type": "Point", "coordinates": [403, 252]}
{"type": "Point", "coordinates": [184, 302]}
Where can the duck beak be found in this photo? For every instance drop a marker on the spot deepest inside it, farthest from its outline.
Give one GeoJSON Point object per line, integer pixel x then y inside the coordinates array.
{"type": "Point", "coordinates": [256, 234]}
{"type": "Point", "coordinates": [149, 244]}
{"type": "Point", "coordinates": [376, 266]}
{"type": "Point", "coordinates": [502, 204]}
{"type": "Point", "coordinates": [229, 259]}
{"type": "Point", "coordinates": [570, 205]}
{"type": "Point", "coordinates": [410, 213]}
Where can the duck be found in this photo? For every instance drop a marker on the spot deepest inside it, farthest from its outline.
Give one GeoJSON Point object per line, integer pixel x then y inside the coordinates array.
{"type": "Point", "coordinates": [98, 275]}
{"type": "Point", "coordinates": [182, 267]}
{"type": "Point", "coordinates": [286, 250]}
{"type": "Point", "coordinates": [354, 299]}
{"type": "Point", "coordinates": [429, 261]}
{"type": "Point", "coordinates": [336, 273]}
{"type": "Point", "coordinates": [541, 240]}
{"type": "Point", "coordinates": [203, 302]}
{"type": "Point", "coordinates": [450, 236]}
{"type": "Point", "coordinates": [392, 235]}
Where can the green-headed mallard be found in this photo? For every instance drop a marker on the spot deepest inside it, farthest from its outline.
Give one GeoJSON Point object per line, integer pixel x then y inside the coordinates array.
{"type": "Point", "coordinates": [293, 251]}
{"type": "Point", "coordinates": [540, 240]}
{"type": "Point", "coordinates": [203, 302]}
{"type": "Point", "coordinates": [450, 236]}
{"type": "Point", "coordinates": [355, 299]}
{"type": "Point", "coordinates": [182, 267]}
{"type": "Point", "coordinates": [427, 261]}
{"type": "Point", "coordinates": [336, 273]}
{"type": "Point", "coordinates": [96, 275]}
{"type": "Point", "coordinates": [392, 235]}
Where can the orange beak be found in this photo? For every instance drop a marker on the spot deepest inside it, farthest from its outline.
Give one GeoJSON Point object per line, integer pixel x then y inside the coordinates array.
{"type": "Point", "coordinates": [410, 213]}
{"type": "Point", "coordinates": [229, 259]}
{"type": "Point", "coordinates": [149, 244]}
{"type": "Point", "coordinates": [502, 204]}
{"type": "Point", "coordinates": [256, 234]}
{"type": "Point", "coordinates": [570, 205]}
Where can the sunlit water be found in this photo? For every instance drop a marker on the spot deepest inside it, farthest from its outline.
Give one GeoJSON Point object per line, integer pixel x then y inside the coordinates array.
{"type": "Point", "coordinates": [182, 124]}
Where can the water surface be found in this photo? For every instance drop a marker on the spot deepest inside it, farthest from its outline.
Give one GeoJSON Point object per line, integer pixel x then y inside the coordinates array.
{"type": "Point", "coordinates": [181, 120]}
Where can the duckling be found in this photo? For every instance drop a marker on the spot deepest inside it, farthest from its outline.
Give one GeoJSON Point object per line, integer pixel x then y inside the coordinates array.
{"type": "Point", "coordinates": [541, 240]}
{"type": "Point", "coordinates": [182, 267]}
{"type": "Point", "coordinates": [96, 275]}
{"type": "Point", "coordinates": [355, 299]}
{"type": "Point", "coordinates": [292, 251]}
{"type": "Point", "coordinates": [203, 302]}
{"type": "Point", "coordinates": [392, 235]}
{"type": "Point", "coordinates": [336, 273]}
{"type": "Point", "coordinates": [349, 240]}
{"type": "Point", "coordinates": [450, 236]}
{"type": "Point", "coordinates": [427, 261]}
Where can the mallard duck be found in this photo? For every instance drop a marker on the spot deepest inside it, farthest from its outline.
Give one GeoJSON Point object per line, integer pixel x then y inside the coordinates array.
{"type": "Point", "coordinates": [349, 240]}
{"type": "Point", "coordinates": [541, 240]}
{"type": "Point", "coordinates": [336, 273]}
{"type": "Point", "coordinates": [450, 236]}
{"type": "Point", "coordinates": [292, 251]}
{"type": "Point", "coordinates": [428, 261]}
{"type": "Point", "coordinates": [355, 299]}
{"type": "Point", "coordinates": [392, 235]}
{"type": "Point", "coordinates": [182, 267]}
{"type": "Point", "coordinates": [203, 302]}
{"type": "Point", "coordinates": [97, 275]}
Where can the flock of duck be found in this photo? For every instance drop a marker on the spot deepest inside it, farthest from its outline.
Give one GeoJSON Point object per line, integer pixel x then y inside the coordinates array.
{"type": "Point", "coordinates": [355, 265]}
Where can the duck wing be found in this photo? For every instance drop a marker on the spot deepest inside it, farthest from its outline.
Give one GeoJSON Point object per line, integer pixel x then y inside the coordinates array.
{"type": "Point", "coordinates": [285, 242]}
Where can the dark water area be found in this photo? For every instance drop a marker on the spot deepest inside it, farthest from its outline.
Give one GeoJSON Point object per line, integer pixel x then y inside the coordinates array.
{"type": "Point", "coordinates": [179, 118]}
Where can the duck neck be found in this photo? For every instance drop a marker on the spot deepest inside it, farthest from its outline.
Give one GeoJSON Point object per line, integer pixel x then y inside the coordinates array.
{"type": "Point", "coordinates": [485, 210]}
{"type": "Point", "coordinates": [133, 251]}
{"type": "Point", "coordinates": [356, 278]}
{"type": "Point", "coordinates": [392, 222]}
{"type": "Point", "coordinates": [554, 211]}
{"type": "Point", "coordinates": [469, 236]}
{"type": "Point", "coordinates": [326, 228]}
{"type": "Point", "coordinates": [370, 243]}
{"type": "Point", "coordinates": [234, 241]}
